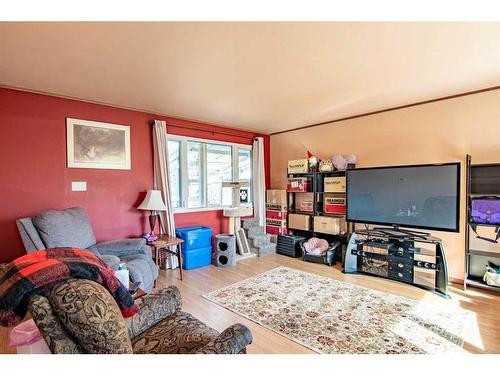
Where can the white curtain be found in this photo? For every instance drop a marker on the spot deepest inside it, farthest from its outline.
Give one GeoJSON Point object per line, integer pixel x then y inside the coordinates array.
{"type": "Point", "coordinates": [259, 180]}
{"type": "Point", "coordinates": [162, 181]}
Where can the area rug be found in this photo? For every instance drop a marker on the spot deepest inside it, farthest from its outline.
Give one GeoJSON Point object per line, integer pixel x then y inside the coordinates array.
{"type": "Point", "coordinates": [331, 316]}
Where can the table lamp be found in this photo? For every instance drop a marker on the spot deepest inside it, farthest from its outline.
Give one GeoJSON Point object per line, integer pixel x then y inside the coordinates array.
{"type": "Point", "coordinates": [152, 202]}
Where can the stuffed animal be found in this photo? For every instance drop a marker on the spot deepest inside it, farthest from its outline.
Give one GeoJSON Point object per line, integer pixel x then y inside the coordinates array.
{"type": "Point", "coordinates": [339, 162]}
{"type": "Point", "coordinates": [325, 166]}
{"type": "Point", "coordinates": [313, 161]}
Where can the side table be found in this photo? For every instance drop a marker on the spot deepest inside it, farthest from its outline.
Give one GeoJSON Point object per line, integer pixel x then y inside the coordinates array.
{"type": "Point", "coordinates": [138, 294]}
{"type": "Point", "coordinates": [161, 249]}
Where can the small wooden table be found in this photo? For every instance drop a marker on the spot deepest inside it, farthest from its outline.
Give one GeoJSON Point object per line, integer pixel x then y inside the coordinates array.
{"type": "Point", "coordinates": [138, 294]}
{"type": "Point", "coordinates": [162, 250]}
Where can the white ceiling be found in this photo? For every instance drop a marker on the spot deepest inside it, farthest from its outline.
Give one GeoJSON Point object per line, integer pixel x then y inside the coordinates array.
{"type": "Point", "coordinates": [266, 77]}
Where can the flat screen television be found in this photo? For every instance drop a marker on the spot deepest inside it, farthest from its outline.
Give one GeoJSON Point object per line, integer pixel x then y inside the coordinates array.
{"type": "Point", "coordinates": [416, 196]}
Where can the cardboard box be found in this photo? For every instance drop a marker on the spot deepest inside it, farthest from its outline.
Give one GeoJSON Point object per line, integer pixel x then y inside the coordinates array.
{"type": "Point", "coordinates": [329, 225]}
{"type": "Point", "coordinates": [306, 206]}
{"type": "Point", "coordinates": [276, 207]}
{"type": "Point", "coordinates": [304, 202]}
{"type": "Point", "coordinates": [298, 166]}
{"type": "Point", "coordinates": [276, 197]}
{"type": "Point", "coordinates": [334, 204]}
{"type": "Point", "coordinates": [299, 184]}
{"type": "Point", "coordinates": [276, 230]}
{"type": "Point", "coordinates": [276, 222]}
{"type": "Point", "coordinates": [281, 215]}
{"type": "Point", "coordinates": [297, 221]}
{"type": "Point", "coordinates": [334, 184]}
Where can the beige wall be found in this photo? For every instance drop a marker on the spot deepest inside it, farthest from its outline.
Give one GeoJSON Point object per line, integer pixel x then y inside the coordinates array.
{"type": "Point", "coordinates": [443, 131]}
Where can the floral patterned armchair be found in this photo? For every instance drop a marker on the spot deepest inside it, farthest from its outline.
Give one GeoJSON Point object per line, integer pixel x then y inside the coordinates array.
{"type": "Point", "coordinates": [80, 316]}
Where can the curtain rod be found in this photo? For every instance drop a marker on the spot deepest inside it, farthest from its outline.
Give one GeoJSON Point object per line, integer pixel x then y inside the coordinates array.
{"type": "Point", "coordinates": [213, 132]}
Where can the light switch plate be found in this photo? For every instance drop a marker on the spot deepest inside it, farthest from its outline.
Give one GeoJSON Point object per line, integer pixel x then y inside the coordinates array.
{"type": "Point", "coordinates": [79, 186]}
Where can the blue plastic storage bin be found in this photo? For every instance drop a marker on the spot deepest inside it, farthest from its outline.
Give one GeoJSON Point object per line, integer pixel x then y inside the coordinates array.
{"type": "Point", "coordinates": [195, 237]}
{"type": "Point", "coordinates": [196, 258]}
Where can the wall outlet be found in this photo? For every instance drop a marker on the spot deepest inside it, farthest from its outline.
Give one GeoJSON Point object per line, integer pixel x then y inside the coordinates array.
{"type": "Point", "coordinates": [79, 186]}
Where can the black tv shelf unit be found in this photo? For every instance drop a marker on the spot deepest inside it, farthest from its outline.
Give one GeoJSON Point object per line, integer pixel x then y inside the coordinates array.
{"type": "Point", "coordinates": [317, 187]}
{"type": "Point", "coordinates": [482, 180]}
{"type": "Point", "coordinates": [400, 256]}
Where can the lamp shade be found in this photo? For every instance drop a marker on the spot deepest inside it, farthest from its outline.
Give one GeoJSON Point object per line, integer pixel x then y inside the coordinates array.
{"type": "Point", "coordinates": [153, 201]}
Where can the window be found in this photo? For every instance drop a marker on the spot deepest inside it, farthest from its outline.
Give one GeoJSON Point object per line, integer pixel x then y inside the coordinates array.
{"type": "Point", "coordinates": [199, 167]}
{"type": "Point", "coordinates": [245, 168]}
{"type": "Point", "coordinates": [174, 158]}
{"type": "Point", "coordinates": [195, 175]}
{"type": "Point", "coordinates": [219, 168]}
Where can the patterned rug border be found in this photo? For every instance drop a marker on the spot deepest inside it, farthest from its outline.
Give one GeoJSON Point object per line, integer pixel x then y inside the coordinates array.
{"type": "Point", "coordinates": [206, 296]}
{"type": "Point", "coordinates": [253, 320]}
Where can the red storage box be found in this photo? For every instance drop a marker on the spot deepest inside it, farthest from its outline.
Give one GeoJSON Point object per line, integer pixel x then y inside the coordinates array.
{"type": "Point", "coordinates": [334, 205]}
{"type": "Point", "coordinates": [277, 230]}
{"type": "Point", "coordinates": [299, 184]}
{"type": "Point", "coordinates": [271, 214]}
{"type": "Point", "coordinates": [276, 207]}
{"type": "Point", "coordinates": [276, 222]}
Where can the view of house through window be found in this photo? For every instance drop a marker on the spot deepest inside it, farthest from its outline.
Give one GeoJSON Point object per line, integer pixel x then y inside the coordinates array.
{"type": "Point", "coordinates": [198, 168]}
{"type": "Point", "coordinates": [219, 168]}
{"type": "Point", "coordinates": [245, 167]}
{"type": "Point", "coordinates": [195, 178]}
{"type": "Point", "coordinates": [174, 153]}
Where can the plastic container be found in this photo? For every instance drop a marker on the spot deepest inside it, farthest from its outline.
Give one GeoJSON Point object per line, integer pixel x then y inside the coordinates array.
{"type": "Point", "coordinates": [26, 338]}
{"type": "Point", "coordinates": [281, 215]}
{"type": "Point", "coordinates": [195, 237]}
{"type": "Point", "coordinates": [124, 277]}
{"type": "Point", "coordinates": [276, 230]}
{"type": "Point", "coordinates": [196, 258]}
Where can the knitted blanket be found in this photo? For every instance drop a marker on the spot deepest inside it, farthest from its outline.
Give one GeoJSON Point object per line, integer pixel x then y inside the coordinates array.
{"type": "Point", "coordinates": [36, 273]}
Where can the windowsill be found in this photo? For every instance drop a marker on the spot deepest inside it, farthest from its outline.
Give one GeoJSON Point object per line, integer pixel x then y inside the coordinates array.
{"type": "Point", "coordinates": [200, 209]}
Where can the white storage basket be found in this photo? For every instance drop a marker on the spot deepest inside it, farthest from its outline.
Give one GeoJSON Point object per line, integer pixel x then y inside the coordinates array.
{"type": "Point", "coordinates": [491, 278]}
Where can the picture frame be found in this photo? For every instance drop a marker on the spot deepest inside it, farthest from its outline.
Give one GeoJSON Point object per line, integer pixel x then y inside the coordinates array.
{"type": "Point", "coordinates": [98, 145]}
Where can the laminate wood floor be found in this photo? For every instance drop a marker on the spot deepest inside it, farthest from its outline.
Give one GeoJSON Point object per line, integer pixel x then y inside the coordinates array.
{"type": "Point", "coordinates": [482, 335]}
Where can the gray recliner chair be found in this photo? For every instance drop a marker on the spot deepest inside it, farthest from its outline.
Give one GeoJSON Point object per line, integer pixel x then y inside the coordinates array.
{"type": "Point", "coordinates": [71, 228]}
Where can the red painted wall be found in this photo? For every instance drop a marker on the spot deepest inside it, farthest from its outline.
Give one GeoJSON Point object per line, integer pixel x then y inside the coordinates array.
{"type": "Point", "coordinates": [34, 176]}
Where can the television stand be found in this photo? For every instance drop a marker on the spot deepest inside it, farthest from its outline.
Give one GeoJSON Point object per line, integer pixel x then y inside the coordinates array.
{"type": "Point", "coordinates": [395, 230]}
{"type": "Point", "coordinates": [413, 258]}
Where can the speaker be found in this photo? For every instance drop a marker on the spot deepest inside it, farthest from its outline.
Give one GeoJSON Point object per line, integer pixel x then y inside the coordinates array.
{"type": "Point", "coordinates": [225, 250]}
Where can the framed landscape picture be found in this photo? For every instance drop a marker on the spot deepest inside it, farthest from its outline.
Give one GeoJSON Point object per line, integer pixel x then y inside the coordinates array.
{"type": "Point", "coordinates": [92, 144]}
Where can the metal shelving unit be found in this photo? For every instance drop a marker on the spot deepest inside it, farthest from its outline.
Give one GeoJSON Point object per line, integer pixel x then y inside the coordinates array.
{"type": "Point", "coordinates": [317, 193]}
{"type": "Point", "coordinates": [482, 180]}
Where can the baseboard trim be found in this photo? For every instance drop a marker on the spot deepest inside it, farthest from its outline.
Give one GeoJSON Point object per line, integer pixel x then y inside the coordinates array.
{"type": "Point", "coordinates": [456, 281]}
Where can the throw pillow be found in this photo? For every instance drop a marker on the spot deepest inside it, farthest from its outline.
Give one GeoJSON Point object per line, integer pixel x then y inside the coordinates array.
{"type": "Point", "coordinates": [65, 228]}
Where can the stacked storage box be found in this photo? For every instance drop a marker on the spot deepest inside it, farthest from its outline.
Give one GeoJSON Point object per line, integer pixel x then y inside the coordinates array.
{"type": "Point", "coordinates": [334, 203]}
{"type": "Point", "coordinates": [299, 184]}
{"type": "Point", "coordinates": [276, 212]}
{"type": "Point", "coordinates": [335, 184]}
{"type": "Point", "coordinates": [197, 246]}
